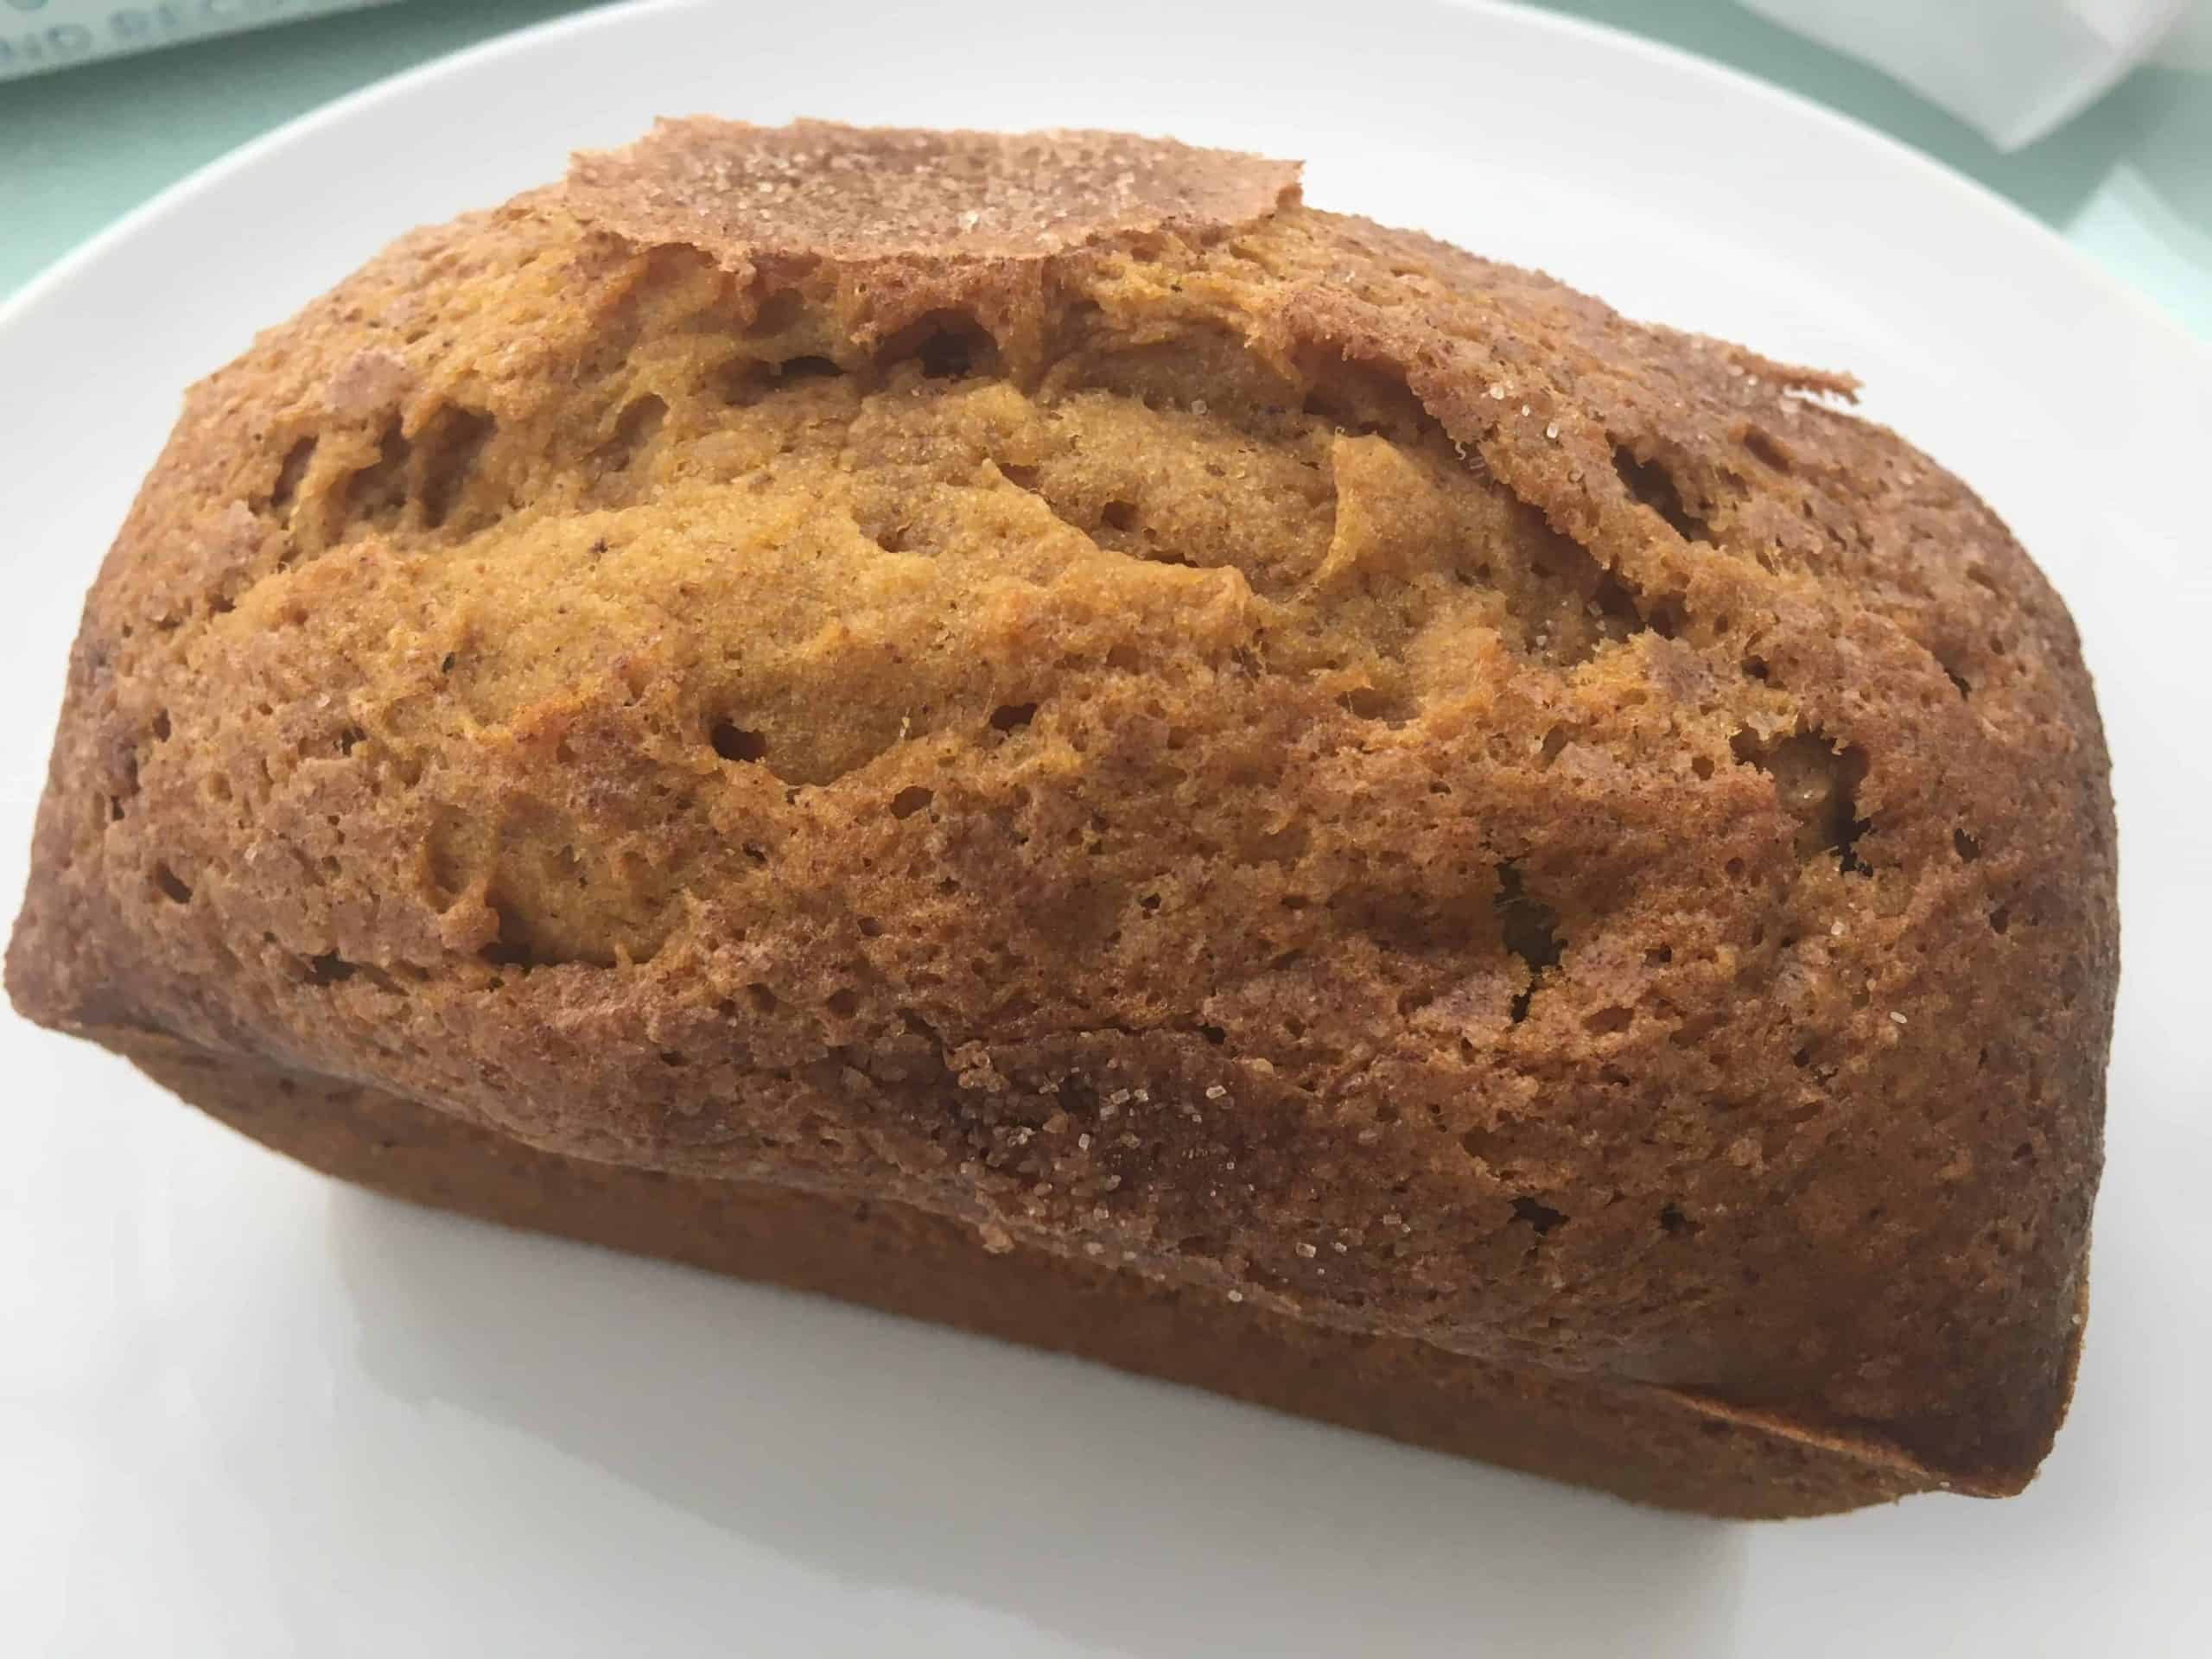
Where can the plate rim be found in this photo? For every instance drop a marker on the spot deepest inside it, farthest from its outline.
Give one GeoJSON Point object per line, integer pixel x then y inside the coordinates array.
{"type": "Point", "coordinates": [2122, 298]}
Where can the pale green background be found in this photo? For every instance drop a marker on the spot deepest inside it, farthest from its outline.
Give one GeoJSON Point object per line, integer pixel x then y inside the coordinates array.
{"type": "Point", "coordinates": [2129, 182]}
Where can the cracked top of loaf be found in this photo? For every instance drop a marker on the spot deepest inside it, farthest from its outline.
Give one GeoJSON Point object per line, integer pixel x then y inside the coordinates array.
{"type": "Point", "coordinates": [1044, 678]}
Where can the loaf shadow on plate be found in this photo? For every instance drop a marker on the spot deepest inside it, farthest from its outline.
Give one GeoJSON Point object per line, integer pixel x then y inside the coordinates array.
{"type": "Point", "coordinates": [1009, 1480]}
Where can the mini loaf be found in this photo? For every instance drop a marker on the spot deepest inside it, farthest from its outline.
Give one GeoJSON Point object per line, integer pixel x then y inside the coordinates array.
{"type": "Point", "coordinates": [1031, 730]}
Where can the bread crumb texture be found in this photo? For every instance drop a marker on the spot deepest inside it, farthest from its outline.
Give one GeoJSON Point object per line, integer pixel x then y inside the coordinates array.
{"type": "Point", "coordinates": [1043, 680]}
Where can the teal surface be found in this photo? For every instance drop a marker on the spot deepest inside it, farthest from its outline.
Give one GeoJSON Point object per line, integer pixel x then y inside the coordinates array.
{"type": "Point", "coordinates": [2129, 182]}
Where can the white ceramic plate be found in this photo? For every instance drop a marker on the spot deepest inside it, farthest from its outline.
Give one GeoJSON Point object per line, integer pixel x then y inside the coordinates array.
{"type": "Point", "coordinates": [243, 1412]}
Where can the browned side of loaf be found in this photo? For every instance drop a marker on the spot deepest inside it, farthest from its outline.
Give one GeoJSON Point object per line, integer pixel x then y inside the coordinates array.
{"type": "Point", "coordinates": [1648, 1445]}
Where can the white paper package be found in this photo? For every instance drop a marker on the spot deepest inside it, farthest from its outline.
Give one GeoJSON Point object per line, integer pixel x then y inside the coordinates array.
{"type": "Point", "coordinates": [38, 35]}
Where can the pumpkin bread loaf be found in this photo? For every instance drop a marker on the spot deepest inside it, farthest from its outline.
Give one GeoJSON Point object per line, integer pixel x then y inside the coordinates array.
{"type": "Point", "coordinates": [1032, 731]}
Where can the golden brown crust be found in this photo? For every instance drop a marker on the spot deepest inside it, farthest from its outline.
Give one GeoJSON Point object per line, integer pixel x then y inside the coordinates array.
{"type": "Point", "coordinates": [746, 196]}
{"type": "Point", "coordinates": [1162, 725]}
